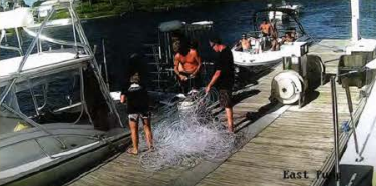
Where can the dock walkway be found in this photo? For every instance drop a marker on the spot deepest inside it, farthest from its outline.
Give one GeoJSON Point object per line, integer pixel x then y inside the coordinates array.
{"type": "Point", "coordinates": [279, 141]}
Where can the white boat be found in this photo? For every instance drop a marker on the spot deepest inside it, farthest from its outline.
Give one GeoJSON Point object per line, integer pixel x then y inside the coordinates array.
{"type": "Point", "coordinates": [57, 118]}
{"type": "Point", "coordinates": [262, 55]}
{"type": "Point", "coordinates": [249, 59]}
{"type": "Point", "coordinates": [357, 165]}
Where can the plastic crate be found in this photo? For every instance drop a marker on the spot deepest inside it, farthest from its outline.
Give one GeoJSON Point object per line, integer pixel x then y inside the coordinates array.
{"type": "Point", "coordinates": [354, 62]}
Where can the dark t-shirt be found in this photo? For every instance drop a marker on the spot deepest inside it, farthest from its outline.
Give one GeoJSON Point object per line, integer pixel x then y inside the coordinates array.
{"type": "Point", "coordinates": [136, 74]}
{"type": "Point", "coordinates": [225, 63]}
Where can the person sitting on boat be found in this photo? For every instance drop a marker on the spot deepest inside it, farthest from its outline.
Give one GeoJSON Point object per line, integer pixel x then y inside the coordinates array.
{"type": "Point", "coordinates": [293, 34]}
{"type": "Point", "coordinates": [288, 38]}
{"type": "Point", "coordinates": [134, 93]}
{"type": "Point", "coordinates": [245, 43]}
{"type": "Point", "coordinates": [187, 65]}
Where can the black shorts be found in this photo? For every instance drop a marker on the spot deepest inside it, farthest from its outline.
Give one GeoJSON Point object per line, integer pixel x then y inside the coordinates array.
{"type": "Point", "coordinates": [137, 102]}
{"type": "Point", "coordinates": [225, 98]}
{"type": "Point", "coordinates": [265, 35]}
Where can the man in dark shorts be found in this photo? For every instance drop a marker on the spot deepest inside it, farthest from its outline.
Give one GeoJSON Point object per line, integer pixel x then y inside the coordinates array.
{"type": "Point", "coordinates": [223, 78]}
{"type": "Point", "coordinates": [266, 29]}
{"type": "Point", "coordinates": [135, 95]}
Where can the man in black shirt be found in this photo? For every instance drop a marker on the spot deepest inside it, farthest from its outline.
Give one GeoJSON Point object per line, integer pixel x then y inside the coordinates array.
{"type": "Point", "coordinates": [223, 79]}
{"type": "Point", "coordinates": [135, 94]}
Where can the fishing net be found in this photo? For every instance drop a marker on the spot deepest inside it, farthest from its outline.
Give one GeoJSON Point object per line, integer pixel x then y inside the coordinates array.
{"type": "Point", "coordinates": [185, 132]}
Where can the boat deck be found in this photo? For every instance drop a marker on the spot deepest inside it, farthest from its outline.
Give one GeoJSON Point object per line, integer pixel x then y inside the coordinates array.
{"type": "Point", "coordinates": [273, 139]}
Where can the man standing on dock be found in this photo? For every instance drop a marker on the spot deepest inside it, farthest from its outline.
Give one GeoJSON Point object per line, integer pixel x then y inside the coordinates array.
{"type": "Point", "coordinates": [187, 66]}
{"type": "Point", "coordinates": [223, 78]}
{"type": "Point", "coordinates": [136, 96]}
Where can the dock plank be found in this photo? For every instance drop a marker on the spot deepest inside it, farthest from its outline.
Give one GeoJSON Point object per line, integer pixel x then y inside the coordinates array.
{"type": "Point", "coordinates": [300, 139]}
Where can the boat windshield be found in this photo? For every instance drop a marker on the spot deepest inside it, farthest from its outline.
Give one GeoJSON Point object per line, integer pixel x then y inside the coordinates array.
{"type": "Point", "coordinates": [54, 98]}
{"type": "Point", "coordinates": [45, 98]}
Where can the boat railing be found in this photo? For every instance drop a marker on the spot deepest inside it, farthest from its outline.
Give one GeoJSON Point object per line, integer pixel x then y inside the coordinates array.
{"type": "Point", "coordinates": [354, 116]}
{"type": "Point", "coordinates": [32, 29]}
{"type": "Point", "coordinates": [38, 37]}
{"type": "Point", "coordinates": [13, 48]}
{"type": "Point", "coordinates": [281, 33]}
{"type": "Point", "coordinates": [79, 41]}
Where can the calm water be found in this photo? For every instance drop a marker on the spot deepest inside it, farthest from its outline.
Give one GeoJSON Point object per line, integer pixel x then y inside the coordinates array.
{"type": "Point", "coordinates": [124, 35]}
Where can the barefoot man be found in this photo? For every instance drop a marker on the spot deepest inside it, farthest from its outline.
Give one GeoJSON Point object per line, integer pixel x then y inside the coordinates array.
{"type": "Point", "coordinates": [223, 78]}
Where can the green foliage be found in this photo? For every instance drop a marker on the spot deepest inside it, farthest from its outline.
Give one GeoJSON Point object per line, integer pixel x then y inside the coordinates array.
{"type": "Point", "coordinates": [100, 8]}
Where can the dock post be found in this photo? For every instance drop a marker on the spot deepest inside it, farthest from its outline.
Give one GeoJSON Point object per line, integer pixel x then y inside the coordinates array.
{"type": "Point", "coordinates": [335, 127]}
{"type": "Point", "coordinates": [355, 20]}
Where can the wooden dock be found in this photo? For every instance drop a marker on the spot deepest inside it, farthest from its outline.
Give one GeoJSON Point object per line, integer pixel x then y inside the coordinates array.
{"type": "Point", "coordinates": [275, 145]}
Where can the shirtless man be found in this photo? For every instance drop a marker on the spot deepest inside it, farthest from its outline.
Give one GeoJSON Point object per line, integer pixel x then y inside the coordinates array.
{"type": "Point", "coordinates": [265, 28]}
{"type": "Point", "coordinates": [187, 65]}
{"type": "Point", "coordinates": [245, 43]}
{"type": "Point", "coordinates": [266, 31]}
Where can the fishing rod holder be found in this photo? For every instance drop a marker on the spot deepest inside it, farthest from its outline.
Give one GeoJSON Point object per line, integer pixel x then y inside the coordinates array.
{"type": "Point", "coordinates": [345, 84]}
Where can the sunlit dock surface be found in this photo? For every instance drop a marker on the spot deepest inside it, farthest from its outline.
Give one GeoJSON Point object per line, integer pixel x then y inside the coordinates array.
{"type": "Point", "coordinates": [275, 139]}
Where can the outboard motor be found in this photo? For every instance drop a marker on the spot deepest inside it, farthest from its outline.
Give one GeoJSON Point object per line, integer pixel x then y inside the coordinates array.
{"type": "Point", "coordinates": [301, 73]}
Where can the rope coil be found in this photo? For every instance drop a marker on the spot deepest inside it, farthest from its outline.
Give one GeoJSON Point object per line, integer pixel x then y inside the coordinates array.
{"type": "Point", "coordinates": [186, 133]}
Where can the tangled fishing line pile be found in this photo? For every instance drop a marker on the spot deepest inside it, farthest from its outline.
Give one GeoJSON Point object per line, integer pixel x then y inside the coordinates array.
{"type": "Point", "coordinates": [187, 132]}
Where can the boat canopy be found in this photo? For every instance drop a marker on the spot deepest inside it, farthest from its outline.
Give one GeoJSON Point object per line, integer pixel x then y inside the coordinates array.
{"type": "Point", "coordinates": [288, 11]}
{"type": "Point", "coordinates": [170, 26]}
{"type": "Point", "coordinates": [20, 17]}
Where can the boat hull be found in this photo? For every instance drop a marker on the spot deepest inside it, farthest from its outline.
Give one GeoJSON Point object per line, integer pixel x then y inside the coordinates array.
{"type": "Point", "coordinates": [266, 58]}
{"type": "Point", "coordinates": [61, 169]}
{"type": "Point", "coordinates": [250, 60]}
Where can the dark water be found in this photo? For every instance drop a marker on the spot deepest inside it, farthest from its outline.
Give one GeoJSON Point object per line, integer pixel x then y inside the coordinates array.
{"type": "Point", "coordinates": [321, 19]}
{"type": "Point", "coordinates": [124, 35]}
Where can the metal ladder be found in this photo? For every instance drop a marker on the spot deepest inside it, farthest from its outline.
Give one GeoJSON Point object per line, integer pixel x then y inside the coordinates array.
{"type": "Point", "coordinates": [161, 74]}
